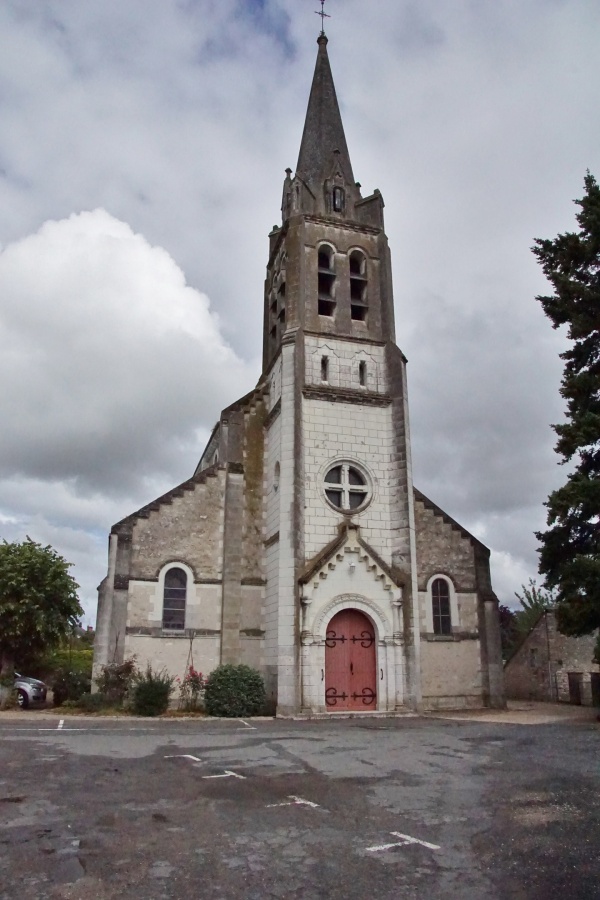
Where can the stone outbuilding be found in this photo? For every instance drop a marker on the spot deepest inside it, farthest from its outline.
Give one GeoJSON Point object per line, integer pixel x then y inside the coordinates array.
{"type": "Point", "coordinates": [300, 545]}
{"type": "Point", "coordinates": [548, 665]}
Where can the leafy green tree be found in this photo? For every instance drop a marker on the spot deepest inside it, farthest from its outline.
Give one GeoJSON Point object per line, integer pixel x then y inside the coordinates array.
{"type": "Point", "coordinates": [38, 601]}
{"type": "Point", "coordinates": [508, 629]}
{"type": "Point", "coordinates": [570, 547]}
{"type": "Point", "coordinates": [534, 600]}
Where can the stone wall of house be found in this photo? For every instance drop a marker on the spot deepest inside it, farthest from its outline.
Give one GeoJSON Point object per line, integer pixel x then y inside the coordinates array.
{"type": "Point", "coordinates": [551, 666]}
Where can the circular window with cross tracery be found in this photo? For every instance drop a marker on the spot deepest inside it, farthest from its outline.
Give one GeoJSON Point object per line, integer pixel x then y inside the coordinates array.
{"type": "Point", "coordinates": [347, 487]}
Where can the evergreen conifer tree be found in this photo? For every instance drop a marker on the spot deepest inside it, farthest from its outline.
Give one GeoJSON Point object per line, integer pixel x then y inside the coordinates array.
{"type": "Point", "coordinates": [570, 547]}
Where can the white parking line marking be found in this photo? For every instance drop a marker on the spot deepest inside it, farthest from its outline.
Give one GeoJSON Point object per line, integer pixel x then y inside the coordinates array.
{"type": "Point", "coordinates": [251, 727]}
{"type": "Point", "coordinates": [295, 801]}
{"type": "Point", "coordinates": [184, 756]}
{"type": "Point", "coordinates": [406, 839]}
{"type": "Point", "coordinates": [227, 774]}
{"type": "Point", "coordinates": [61, 723]}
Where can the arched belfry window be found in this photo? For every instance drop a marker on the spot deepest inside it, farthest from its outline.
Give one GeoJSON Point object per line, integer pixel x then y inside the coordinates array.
{"type": "Point", "coordinates": [326, 280]}
{"type": "Point", "coordinates": [440, 603]}
{"type": "Point", "coordinates": [358, 286]}
{"type": "Point", "coordinates": [174, 597]}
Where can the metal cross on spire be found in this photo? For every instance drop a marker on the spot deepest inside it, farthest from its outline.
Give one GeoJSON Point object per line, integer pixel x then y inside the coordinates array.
{"type": "Point", "coordinates": [323, 15]}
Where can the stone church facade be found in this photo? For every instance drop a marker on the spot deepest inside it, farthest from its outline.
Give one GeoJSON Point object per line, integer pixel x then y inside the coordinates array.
{"type": "Point", "coordinates": [299, 545]}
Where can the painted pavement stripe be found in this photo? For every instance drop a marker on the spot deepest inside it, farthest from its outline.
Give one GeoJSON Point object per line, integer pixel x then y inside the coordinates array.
{"type": "Point", "coordinates": [184, 756]}
{"type": "Point", "coordinates": [294, 801]}
{"type": "Point", "coordinates": [227, 774]}
{"type": "Point", "coordinates": [406, 839]}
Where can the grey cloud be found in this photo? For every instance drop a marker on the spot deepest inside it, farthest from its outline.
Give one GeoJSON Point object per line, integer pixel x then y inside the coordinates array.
{"type": "Point", "coordinates": [113, 361]}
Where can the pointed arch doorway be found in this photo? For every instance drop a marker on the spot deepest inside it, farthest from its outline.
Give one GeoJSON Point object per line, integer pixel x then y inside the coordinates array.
{"type": "Point", "coordinates": [350, 662]}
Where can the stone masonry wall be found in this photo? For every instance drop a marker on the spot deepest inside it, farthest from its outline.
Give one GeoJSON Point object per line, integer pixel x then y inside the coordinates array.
{"type": "Point", "coordinates": [344, 359]}
{"type": "Point", "coordinates": [361, 433]}
{"type": "Point", "coordinates": [190, 528]}
{"type": "Point", "coordinates": [450, 665]}
{"type": "Point", "coordinates": [442, 548]}
{"type": "Point", "coordinates": [252, 531]}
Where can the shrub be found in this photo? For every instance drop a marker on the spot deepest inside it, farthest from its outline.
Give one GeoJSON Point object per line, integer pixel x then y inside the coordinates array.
{"type": "Point", "coordinates": [92, 702]}
{"type": "Point", "coordinates": [73, 660]}
{"type": "Point", "coordinates": [235, 692]}
{"type": "Point", "coordinates": [8, 696]}
{"type": "Point", "coordinates": [151, 692]}
{"type": "Point", "coordinates": [69, 686]}
{"type": "Point", "coordinates": [115, 680]}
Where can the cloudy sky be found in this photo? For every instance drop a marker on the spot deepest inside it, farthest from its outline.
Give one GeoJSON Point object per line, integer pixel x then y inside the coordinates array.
{"type": "Point", "coordinates": [142, 154]}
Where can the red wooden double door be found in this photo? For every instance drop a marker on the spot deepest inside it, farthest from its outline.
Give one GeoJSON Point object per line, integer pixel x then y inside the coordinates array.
{"type": "Point", "coordinates": [350, 662]}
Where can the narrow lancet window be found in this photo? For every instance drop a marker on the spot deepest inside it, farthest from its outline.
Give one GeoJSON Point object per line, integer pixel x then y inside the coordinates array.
{"type": "Point", "coordinates": [362, 373]}
{"type": "Point", "coordinates": [338, 199]}
{"type": "Point", "coordinates": [324, 368]}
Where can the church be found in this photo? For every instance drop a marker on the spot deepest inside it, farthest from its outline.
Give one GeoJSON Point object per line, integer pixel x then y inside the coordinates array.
{"type": "Point", "coordinates": [299, 545]}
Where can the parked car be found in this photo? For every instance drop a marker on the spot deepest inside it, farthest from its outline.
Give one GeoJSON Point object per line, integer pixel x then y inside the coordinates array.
{"type": "Point", "coordinates": [30, 691]}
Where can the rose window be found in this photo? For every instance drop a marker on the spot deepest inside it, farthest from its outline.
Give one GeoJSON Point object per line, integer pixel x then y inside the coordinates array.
{"type": "Point", "coordinates": [346, 487]}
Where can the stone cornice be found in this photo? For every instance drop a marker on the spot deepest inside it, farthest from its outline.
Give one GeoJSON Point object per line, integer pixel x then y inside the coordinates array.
{"type": "Point", "coordinates": [344, 337]}
{"type": "Point", "coordinates": [343, 225]}
{"type": "Point", "coordinates": [345, 395]}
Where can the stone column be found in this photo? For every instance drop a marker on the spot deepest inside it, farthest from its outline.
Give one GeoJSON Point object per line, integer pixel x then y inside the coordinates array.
{"type": "Point", "coordinates": [497, 698]}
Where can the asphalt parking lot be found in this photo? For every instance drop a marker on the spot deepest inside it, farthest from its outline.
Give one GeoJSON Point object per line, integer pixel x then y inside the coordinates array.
{"type": "Point", "coordinates": [356, 808]}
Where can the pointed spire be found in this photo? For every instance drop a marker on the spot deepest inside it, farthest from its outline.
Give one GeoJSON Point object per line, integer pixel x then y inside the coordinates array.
{"type": "Point", "coordinates": [323, 133]}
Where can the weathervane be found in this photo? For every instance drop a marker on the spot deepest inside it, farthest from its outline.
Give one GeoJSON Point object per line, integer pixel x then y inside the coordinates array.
{"type": "Point", "coordinates": [323, 15]}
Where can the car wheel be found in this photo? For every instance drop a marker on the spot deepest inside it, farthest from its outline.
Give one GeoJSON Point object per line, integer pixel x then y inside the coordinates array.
{"type": "Point", "coordinates": [22, 699]}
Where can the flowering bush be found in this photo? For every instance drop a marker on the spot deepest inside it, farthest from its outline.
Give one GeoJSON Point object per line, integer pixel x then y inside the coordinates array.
{"type": "Point", "coordinates": [191, 690]}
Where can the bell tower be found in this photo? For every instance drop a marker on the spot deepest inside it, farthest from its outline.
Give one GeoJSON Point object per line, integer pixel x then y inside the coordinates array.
{"type": "Point", "coordinates": [329, 267]}
{"type": "Point", "coordinates": [338, 438]}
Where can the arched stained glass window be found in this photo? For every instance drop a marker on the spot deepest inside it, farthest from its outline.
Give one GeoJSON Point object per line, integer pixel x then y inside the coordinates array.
{"type": "Point", "coordinates": [174, 598]}
{"type": "Point", "coordinates": [440, 601]}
